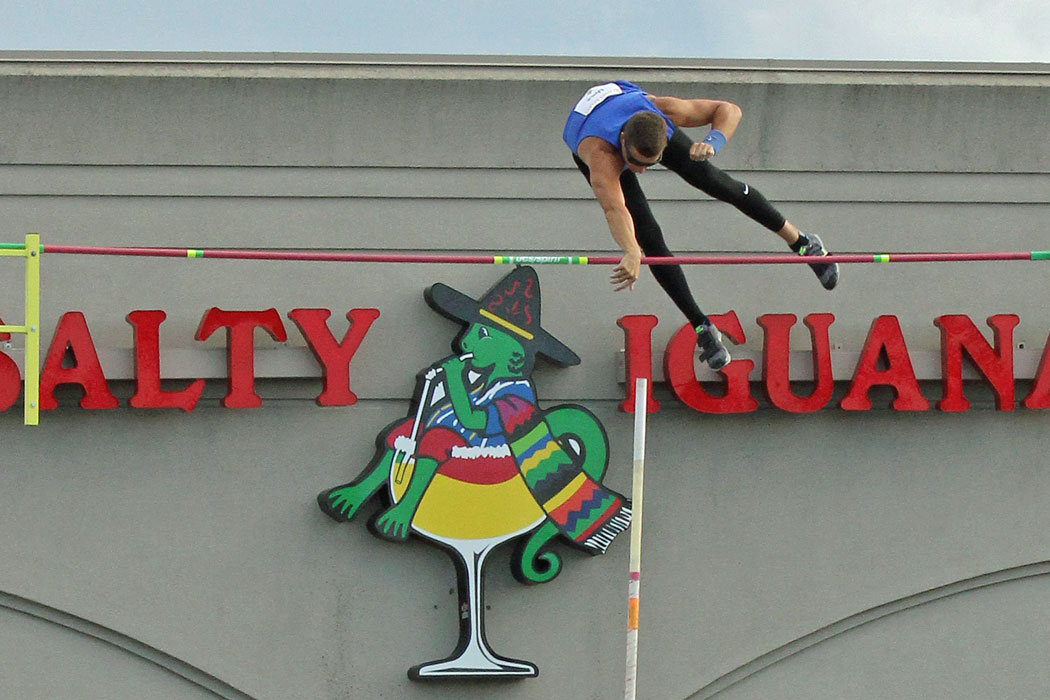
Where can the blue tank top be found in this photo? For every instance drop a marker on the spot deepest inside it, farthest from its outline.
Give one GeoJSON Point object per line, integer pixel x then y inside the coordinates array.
{"type": "Point", "coordinates": [604, 109]}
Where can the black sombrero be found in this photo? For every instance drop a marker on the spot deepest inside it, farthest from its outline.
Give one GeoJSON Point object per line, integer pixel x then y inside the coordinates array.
{"type": "Point", "coordinates": [512, 304]}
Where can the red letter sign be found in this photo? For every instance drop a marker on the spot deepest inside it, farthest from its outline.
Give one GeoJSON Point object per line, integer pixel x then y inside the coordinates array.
{"type": "Point", "coordinates": [334, 357]}
{"type": "Point", "coordinates": [1039, 396]}
{"type": "Point", "coordinates": [10, 379]}
{"type": "Point", "coordinates": [72, 332]}
{"type": "Point", "coordinates": [148, 393]}
{"type": "Point", "coordinates": [638, 356]}
{"type": "Point", "coordinates": [958, 333]}
{"type": "Point", "coordinates": [678, 369]}
{"type": "Point", "coordinates": [776, 356]}
{"type": "Point", "coordinates": [240, 349]}
{"type": "Point", "coordinates": [10, 382]}
{"type": "Point", "coordinates": [885, 335]}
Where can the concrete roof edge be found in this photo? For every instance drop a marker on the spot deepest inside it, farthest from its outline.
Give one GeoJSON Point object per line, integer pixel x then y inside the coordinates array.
{"type": "Point", "coordinates": [281, 64]}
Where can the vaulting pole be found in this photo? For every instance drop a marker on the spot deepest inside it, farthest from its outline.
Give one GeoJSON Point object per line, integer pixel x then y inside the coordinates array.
{"type": "Point", "coordinates": [634, 578]}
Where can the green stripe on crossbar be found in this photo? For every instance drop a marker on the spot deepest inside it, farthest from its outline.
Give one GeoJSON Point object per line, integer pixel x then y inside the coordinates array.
{"type": "Point", "coordinates": [191, 253]}
{"type": "Point", "coordinates": [539, 260]}
{"type": "Point", "coordinates": [882, 258]}
{"type": "Point", "coordinates": [1041, 255]}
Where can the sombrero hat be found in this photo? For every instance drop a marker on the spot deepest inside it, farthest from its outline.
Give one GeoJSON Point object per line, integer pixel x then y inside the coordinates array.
{"type": "Point", "coordinates": [512, 305]}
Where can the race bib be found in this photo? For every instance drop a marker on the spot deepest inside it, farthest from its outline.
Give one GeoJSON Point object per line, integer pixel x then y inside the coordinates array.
{"type": "Point", "coordinates": [595, 96]}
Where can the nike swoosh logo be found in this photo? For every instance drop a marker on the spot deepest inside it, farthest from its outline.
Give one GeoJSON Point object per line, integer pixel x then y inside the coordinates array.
{"type": "Point", "coordinates": [746, 189]}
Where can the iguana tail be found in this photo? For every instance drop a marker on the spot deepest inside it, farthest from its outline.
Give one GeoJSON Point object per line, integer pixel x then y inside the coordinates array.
{"type": "Point", "coordinates": [579, 433]}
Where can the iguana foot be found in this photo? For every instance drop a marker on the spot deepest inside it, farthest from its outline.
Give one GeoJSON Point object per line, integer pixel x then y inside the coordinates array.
{"type": "Point", "coordinates": [393, 523]}
{"type": "Point", "coordinates": [341, 503]}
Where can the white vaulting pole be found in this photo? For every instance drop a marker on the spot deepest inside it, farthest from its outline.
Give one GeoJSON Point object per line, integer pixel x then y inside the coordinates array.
{"type": "Point", "coordinates": [635, 577]}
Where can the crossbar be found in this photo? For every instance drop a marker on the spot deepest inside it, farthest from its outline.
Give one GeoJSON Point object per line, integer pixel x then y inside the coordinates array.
{"type": "Point", "coordinates": [31, 249]}
{"type": "Point", "coordinates": [503, 259]}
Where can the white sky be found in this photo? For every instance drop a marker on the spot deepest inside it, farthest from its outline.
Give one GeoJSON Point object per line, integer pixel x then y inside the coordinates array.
{"type": "Point", "coordinates": [940, 30]}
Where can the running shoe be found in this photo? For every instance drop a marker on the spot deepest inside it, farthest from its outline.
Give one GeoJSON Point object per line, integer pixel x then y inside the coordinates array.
{"type": "Point", "coordinates": [828, 274]}
{"type": "Point", "coordinates": [712, 351]}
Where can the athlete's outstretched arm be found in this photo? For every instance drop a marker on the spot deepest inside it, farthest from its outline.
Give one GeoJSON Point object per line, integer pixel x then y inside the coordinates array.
{"type": "Point", "coordinates": [721, 115]}
{"type": "Point", "coordinates": [605, 168]}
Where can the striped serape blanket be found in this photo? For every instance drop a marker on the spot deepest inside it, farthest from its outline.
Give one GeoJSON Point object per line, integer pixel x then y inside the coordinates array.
{"type": "Point", "coordinates": [586, 512]}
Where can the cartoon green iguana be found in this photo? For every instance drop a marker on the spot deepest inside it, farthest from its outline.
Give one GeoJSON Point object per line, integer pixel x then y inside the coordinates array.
{"type": "Point", "coordinates": [479, 462]}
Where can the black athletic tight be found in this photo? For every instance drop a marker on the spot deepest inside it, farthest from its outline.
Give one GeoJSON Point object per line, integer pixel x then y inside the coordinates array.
{"type": "Point", "coordinates": [706, 178]}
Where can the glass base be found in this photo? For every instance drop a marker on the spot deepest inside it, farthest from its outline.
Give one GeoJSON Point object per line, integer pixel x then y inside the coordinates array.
{"type": "Point", "coordinates": [475, 663]}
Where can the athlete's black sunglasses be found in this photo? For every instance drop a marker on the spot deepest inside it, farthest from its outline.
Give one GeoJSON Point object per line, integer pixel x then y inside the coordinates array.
{"type": "Point", "coordinates": [631, 159]}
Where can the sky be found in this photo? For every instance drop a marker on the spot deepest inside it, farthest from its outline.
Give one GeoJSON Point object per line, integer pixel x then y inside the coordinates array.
{"type": "Point", "coordinates": [914, 30]}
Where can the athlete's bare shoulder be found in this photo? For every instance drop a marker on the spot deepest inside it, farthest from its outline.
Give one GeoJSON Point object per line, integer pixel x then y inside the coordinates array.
{"type": "Point", "coordinates": [599, 154]}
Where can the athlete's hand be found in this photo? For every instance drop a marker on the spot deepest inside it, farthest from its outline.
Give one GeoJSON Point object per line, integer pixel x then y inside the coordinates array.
{"type": "Point", "coordinates": [626, 273]}
{"type": "Point", "coordinates": [701, 151]}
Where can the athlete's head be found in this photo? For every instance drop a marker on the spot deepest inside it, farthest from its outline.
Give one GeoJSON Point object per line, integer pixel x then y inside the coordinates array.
{"type": "Point", "coordinates": [643, 140]}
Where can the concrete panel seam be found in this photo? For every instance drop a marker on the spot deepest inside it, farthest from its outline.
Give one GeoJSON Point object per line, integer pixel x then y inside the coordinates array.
{"type": "Point", "coordinates": [865, 617]}
{"type": "Point", "coordinates": [184, 670]}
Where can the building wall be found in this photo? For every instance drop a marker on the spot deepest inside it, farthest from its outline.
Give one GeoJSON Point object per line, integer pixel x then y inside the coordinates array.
{"type": "Point", "coordinates": [836, 554]}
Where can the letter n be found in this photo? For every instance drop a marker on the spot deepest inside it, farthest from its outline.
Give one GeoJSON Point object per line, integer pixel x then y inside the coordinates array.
{"type": "Point", "coordinates": [958, 335]}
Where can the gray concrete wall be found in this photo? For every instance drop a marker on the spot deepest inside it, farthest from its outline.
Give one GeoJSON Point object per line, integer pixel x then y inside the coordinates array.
{"type": "Point", "coordinates": [169, 555]}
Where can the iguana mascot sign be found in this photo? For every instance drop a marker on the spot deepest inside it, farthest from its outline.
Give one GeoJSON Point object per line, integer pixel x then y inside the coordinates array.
{"type": "Point", "coordinates": [477, 462]}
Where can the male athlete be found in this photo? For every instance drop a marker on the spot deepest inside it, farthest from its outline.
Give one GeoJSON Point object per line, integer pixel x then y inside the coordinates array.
{"type": "Point", "coordinates": [615, 132]}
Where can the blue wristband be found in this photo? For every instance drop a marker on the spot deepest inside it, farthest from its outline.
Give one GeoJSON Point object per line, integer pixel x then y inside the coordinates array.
{"type": "Point", "coordinates": [716, 138]}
